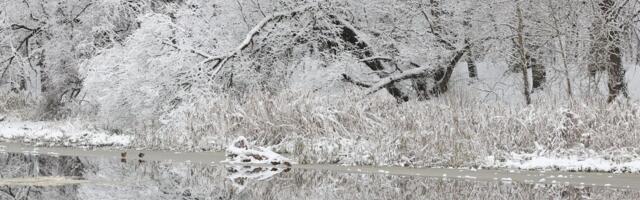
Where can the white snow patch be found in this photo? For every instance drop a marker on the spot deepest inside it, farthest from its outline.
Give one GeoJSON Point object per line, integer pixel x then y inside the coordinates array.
{"type": "Point", "coordinates": [59, 133]}
{"type": "Point", "coordinates": [569, 163]}
{"type": "Point", "coordinates": [470, 177]}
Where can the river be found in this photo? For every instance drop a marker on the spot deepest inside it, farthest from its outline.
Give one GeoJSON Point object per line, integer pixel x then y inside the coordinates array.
{"type": "Point", "coordinates": [28, 172]}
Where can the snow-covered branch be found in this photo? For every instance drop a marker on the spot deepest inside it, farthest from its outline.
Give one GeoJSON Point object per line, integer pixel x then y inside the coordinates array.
{"type": "Point", "coordinates": [425, 71]}
{"type": "Point", "coordinates": [388, 59]}
{"type": "Point", "coordinates": [207, 56]}
{"type": "Point", "coordinates": [441, 75]}
{"type": "Point", "coordinates": [252, 33]}
{"type": "Point", "coordinates": [376, 58]}
{"type": "Point", "coordinates": [348, 79]}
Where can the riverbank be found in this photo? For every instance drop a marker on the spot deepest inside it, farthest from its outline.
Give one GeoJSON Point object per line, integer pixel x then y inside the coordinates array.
{"type": "Point", "coordinates": [452, 131]}
{"type": "Point", "coordinates": [61, 133]}
{"type": "Point", "coordinates": [577, 159]}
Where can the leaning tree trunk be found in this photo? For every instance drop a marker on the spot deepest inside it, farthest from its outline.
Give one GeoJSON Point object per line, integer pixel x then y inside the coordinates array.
{"type": "Point", "coordinates": [352, 36]}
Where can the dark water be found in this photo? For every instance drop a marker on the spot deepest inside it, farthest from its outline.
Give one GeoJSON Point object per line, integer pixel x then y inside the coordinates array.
{"type": "Point", "coordinates": [23, 176]}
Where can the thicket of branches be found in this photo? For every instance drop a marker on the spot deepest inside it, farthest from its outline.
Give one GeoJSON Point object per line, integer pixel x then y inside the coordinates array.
{"type": "Point", "coordinates": [134, 64]}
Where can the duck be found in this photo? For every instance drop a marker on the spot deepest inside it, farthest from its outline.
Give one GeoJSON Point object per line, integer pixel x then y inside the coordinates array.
{"type": "Point", "coordinates": [123, 157]}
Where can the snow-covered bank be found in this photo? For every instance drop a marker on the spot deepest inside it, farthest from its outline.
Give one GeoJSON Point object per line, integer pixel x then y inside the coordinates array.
{"type": "Point", "coordinates": [573, 163]}
{"type": "Point", "coordinates": [59, 134]}
{"type": "Point", "coordinates": [575, 159]}
{"type": "Point", "coordinates": [343, 151]}
{"type": "Point", "coordinates": [316, 129]}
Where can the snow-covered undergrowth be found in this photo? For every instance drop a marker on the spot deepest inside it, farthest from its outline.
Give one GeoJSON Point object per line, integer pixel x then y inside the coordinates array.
{"type": "Point", "coordinates": [447, 132]}
{"type": "Point", "coordinates": [13, 104]}
{"type": "Point", "coordinates": [59, 134]}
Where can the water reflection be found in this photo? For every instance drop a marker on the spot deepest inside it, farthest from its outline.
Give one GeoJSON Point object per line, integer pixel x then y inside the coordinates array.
{"type": "Point", "coordinates": [241, 176]}
{"type": "Point", "coordinates": [16, 165]}
{"type": "Point", "coordinates": [108, 178]}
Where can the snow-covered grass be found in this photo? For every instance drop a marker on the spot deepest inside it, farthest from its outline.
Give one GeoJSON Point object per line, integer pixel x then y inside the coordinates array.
{"type": "Point", "coordinates": [446, 132]}
{"type": "Point", "coordinates": [14, 104]}
{"type": "Point", "coordinates": [452, 131]}
{"type": "Point", "coordinates": [59, 134]}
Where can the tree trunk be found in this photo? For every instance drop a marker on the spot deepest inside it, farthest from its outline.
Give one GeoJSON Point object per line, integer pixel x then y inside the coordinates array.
{"type": "Point", "coordinates": [523, 55]}
{"type": "Point", "coordinates": [613, 64]}
{"type": "Point", "coordinates": [471, 65]}
{"type": "Point", "coordinates": [616, 70]}
{"type": "Point", "coordinates": [563, 53]}
{"type": "Point", "coordinates": [538, 73]}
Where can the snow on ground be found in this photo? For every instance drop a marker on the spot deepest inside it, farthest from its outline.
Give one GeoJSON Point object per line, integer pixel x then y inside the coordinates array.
{"type": "Point", "coordinates": [59, 134]}
{"type": "Point", "coordinates": [584, 162]}
{"type": "Point", "coordinates": [573, 163]}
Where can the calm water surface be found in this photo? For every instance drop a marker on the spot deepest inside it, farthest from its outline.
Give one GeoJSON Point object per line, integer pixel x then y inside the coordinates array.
{"type": "Point", "coordinates": [58, 173]}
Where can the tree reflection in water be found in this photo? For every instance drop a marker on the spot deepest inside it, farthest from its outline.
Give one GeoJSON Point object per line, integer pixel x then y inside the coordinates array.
{"type": "Point", "coordinates": [108, 178]}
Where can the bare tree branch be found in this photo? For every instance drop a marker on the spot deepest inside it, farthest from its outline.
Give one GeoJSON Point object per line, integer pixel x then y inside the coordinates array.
{"type": "Point", "coordinates": [441, 75]}
{"type": "Point", "coordinates": [435, 33]}
{"type": "Point", "coordinates": [194, 51]}
{"type": "Point", "coordinates": [252, 33]}
{"type": "Point", "coordinates": [348, 79]}
{"type": "Point", "coordinates": [82, 11]}
{"type": "Point", "coordinates": [23, 43]}
{"type": "Point", "coordinates": [409, 74]}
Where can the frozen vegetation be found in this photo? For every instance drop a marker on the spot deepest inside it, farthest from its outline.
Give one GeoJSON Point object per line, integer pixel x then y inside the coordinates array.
{"type": "Point", "coordinates": [487, 83]}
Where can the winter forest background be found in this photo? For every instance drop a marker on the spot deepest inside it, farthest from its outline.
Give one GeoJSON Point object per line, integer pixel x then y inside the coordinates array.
{"type": "Point", "coordinates": [378, 82]}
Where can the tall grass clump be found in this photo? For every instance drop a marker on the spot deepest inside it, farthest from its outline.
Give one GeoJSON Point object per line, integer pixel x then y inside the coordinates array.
{"type": "Point", "coordinates": [15, 104]}
{"type": "Point", "coordinates": [451, 131]}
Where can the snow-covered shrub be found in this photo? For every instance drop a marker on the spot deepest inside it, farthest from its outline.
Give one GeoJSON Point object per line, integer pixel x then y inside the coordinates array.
{"type": "Point", "coordinates": [43, 43]}
{"type": "Point", "coordinates": [133, 84]}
